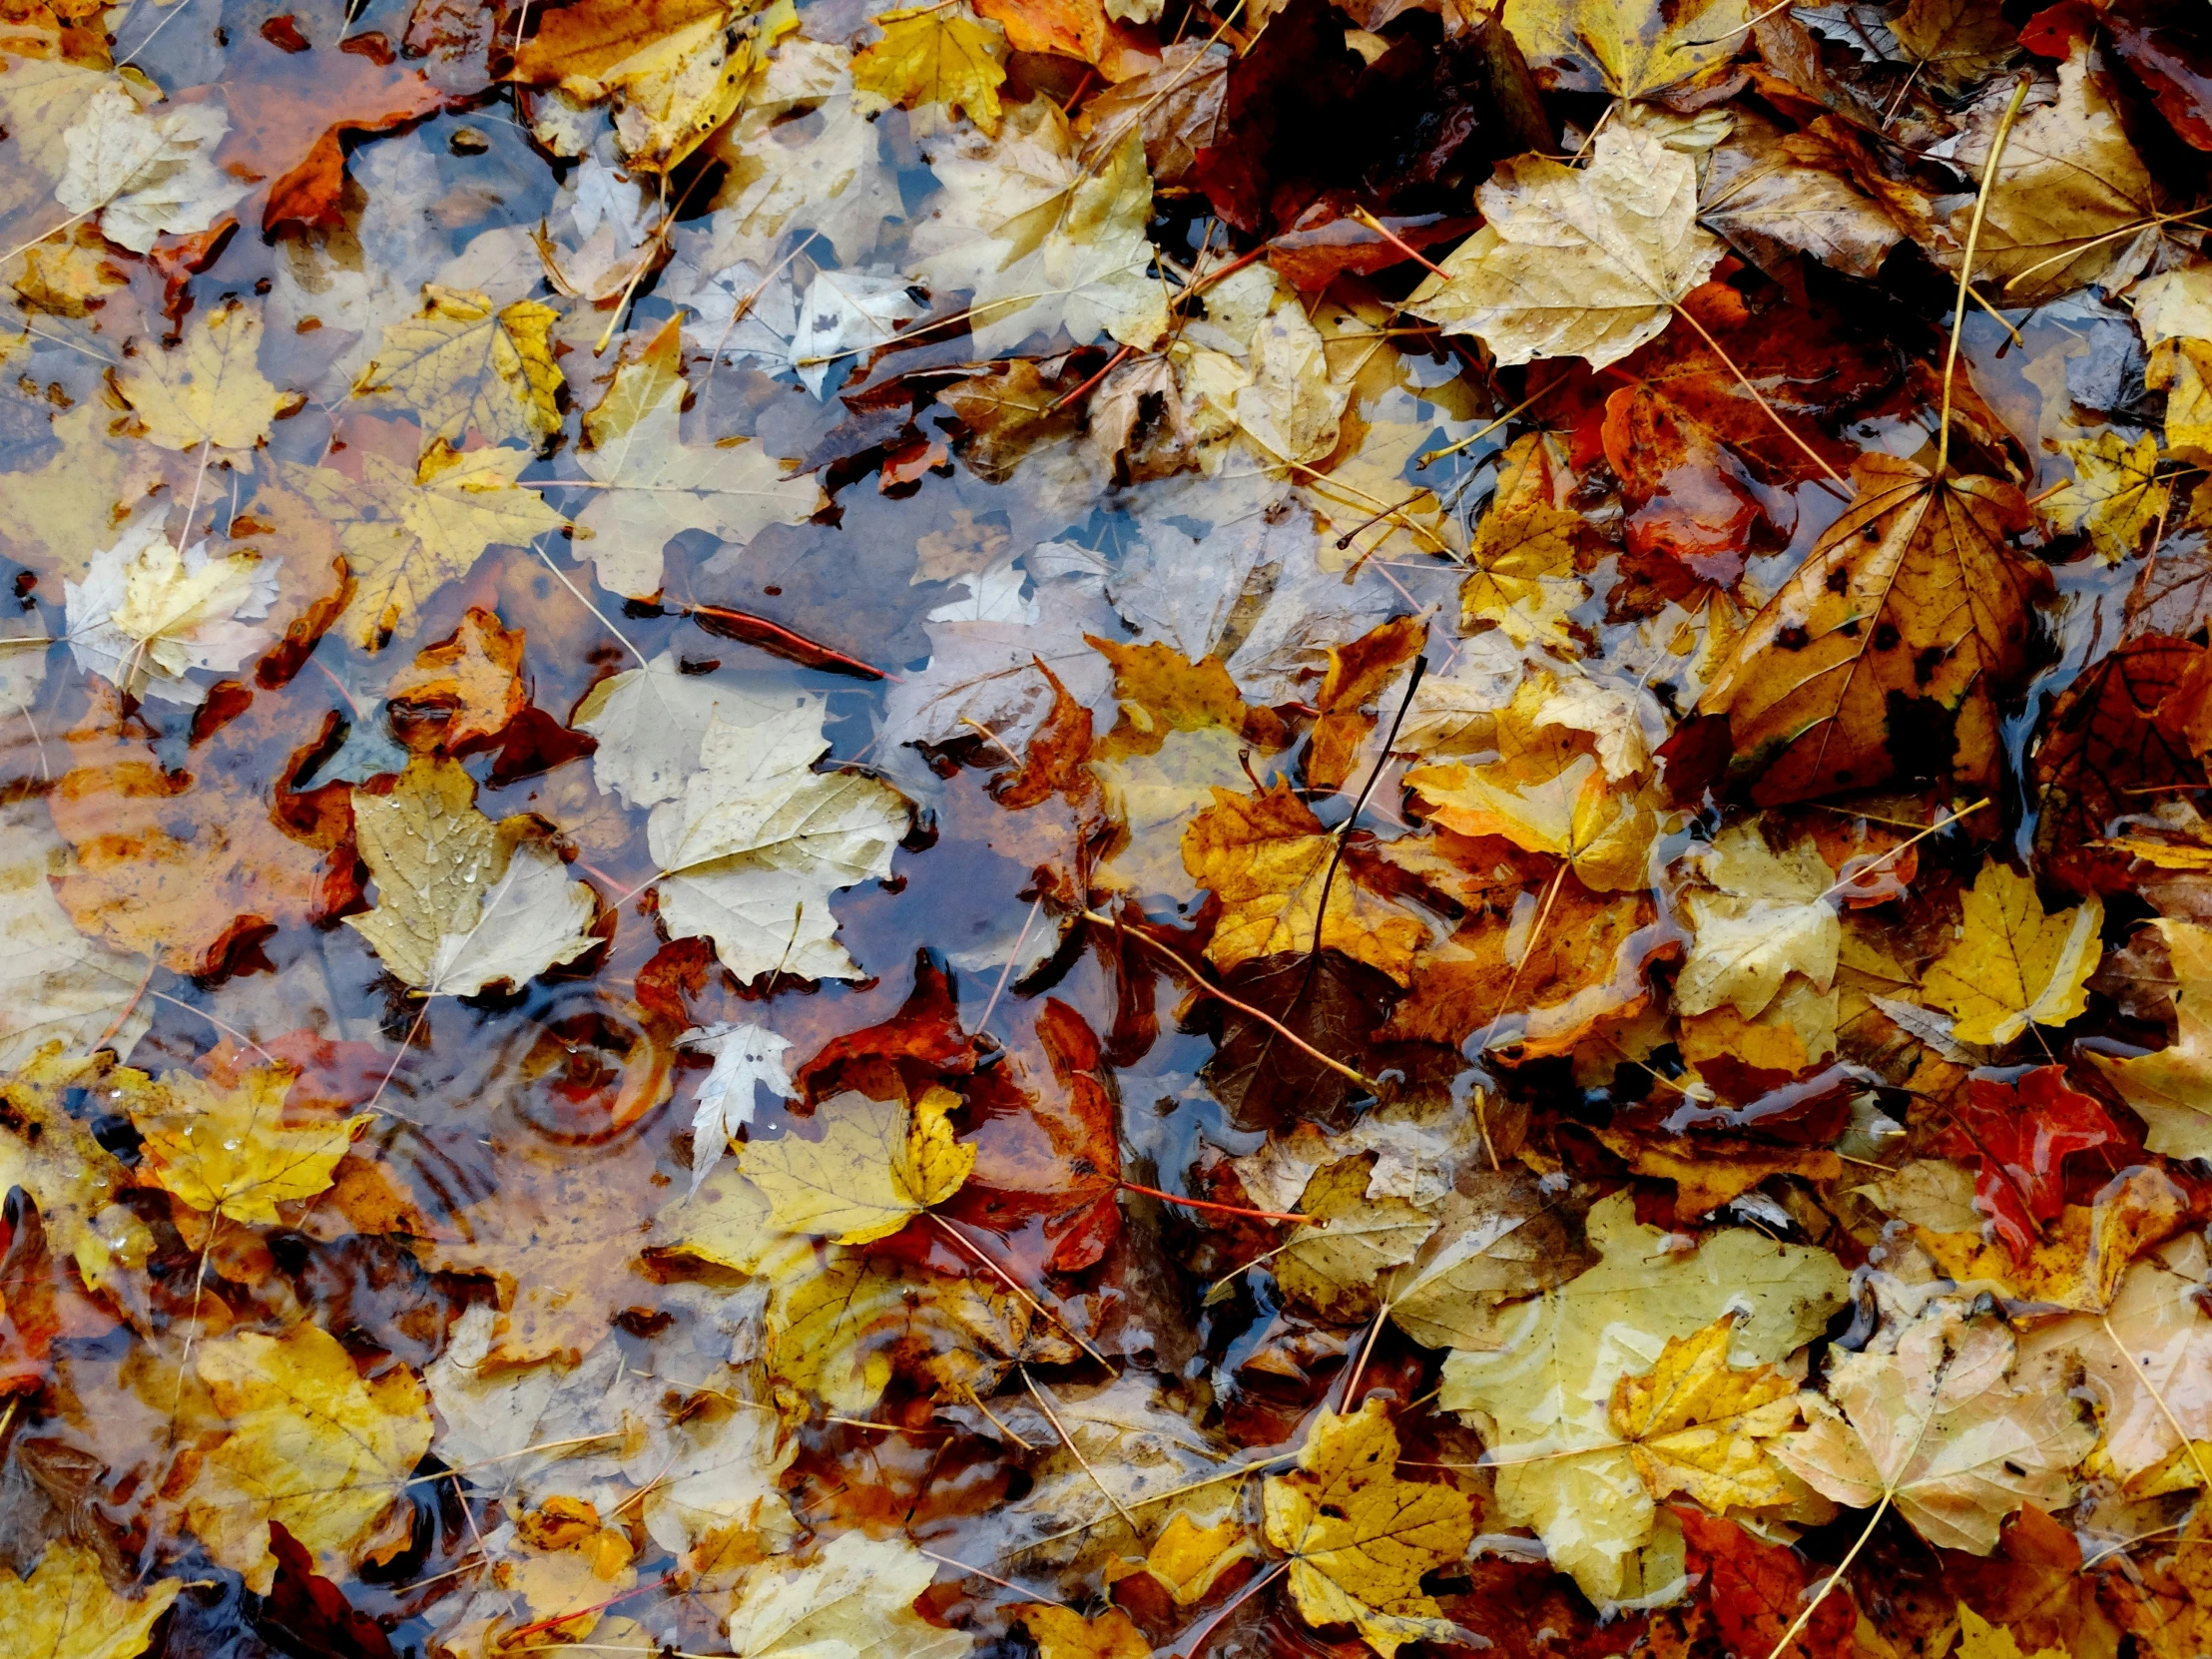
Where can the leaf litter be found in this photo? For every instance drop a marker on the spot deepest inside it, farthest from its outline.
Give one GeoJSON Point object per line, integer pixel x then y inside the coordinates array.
{"type": "Point", "coordinates": [1036, 827]}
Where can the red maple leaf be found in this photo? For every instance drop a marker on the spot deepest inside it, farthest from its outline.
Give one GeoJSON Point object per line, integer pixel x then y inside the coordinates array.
{"type": "Point", "coordinates": [2021, 1132]}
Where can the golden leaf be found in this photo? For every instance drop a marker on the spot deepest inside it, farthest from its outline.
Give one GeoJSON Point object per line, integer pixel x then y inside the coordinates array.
{"type": "Point", "coordinates": [1336, 1264]}
{"type": "Point", "coordinates": [1770, 917]}
{"type": "Point", "coordinates": [146, 615]}
{"type": "Point", "coordinates": [66, 1609]}
{"type": "Point", "coordinates": [467, 365]}
{"type": "Point", "coordinates": [2115, 493]}
{"type": "Point", "coordinates": [405, 533]}
{"type": "Point", "coordinates": [227, 1147]}
{"type": "Point", "coordinates": [1189, 1559]}
{"type": "Point", "coordinates": [312, 1447]}
{"type": "Point", "coordinates": [1062, 1633]}
{"type": "Point", "coordinates": [1979, 1639]}
{"type": "Point", "coordinates": [1908, 622]}
{"type": "Point", "coordinates": [1695, 1423]}
{"type": "Point", "coordinates": [468, 686]}
{"type": "Point", "coordinates": [1639, 49]}
{"type": "Point", "coordinates": [2013, 966]}
{"type": "Point", "coordinates": [853, 1597]}
{"type": "Point", "coordinates": [73, 505]}
{"type": "Point", "coordinates": [210, 390]}
{"type": "Point", "coordinates": [935, 55]}
{"type": "Point", "coordinates": [462, 902]}
{"type": "Point", "coordinates": [1359, 1538]}
{"type": "Point", "coordinates": [69, 1174]}
{"type": "Point", "coordinates": [874, 1168]}
{"type": "Point", "coordinates": [1570, 263]}
{"type": "Point", "coordinates": [1267, 859]}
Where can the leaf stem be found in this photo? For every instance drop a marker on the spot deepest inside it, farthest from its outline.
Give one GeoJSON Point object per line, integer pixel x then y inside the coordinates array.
{"type": "Point", "coordinates": [1966, 268]}
{"type": "Point", "coordinates": [1209, 1204]}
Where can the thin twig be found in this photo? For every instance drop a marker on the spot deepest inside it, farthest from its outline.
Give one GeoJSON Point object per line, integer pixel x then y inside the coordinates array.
{"type": "Point", "coordinates": [1966, 269]}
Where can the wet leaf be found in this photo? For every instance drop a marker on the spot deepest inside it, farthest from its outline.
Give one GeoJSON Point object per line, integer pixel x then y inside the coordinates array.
{"type": "Point", "coordinates": [67, 1610]}
{"type": "Point", "coordinates": [227, 1144]}
{"type": "Point", "coordinates": [2013, 966]}
{"type": "Point", "coordinates": [1696, 1425]}
{"type": "Point", "coordinates": [935, 55]}
{"type": "Point", "coordinates": [876, 1167]}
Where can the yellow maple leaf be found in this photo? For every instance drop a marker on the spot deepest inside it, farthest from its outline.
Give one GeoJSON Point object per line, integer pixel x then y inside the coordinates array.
{"type": "Point", "coordinates": [69, 1174]}
{"type": "Point", "coordinates": [1524, 579]}
{"type": "Point", "coordinates": [145, 614]}
{"type": "Point", "coordinates": [1586, 262]}
{"type": "Point", "coordinates": [1638, 48]}
{"type": "Point", "coordinates": [2013, 964]}
{"type": "Point", "coordinates": [1187, 1559]}
{"type": "Point", "coordinates": [1546, 791]}
{"type": "Point", "coordinates": [66, 1609]}
{"type": "Point", "coordinates": [209, 390]}
{"type": "Point", "coordinates": [462, 902]}
{"type": "Point", "coordinates": [934, 55]}
{"type": "Point", "coordinates": [2115, 494]}
{"type": "Point", "coordinates": [1979, 1639]}
{"type": "Point", "coordinates": [467, 365]}
{"type": "Point", "coordinates": [2173, 1089]}
{"type": "Point", "coordinates": [66, 510]}
{"type": "Point", "coordinates": [405, 533]}
{"type": "Point", "coordinates": [1063, 1633]}
{"type": "Point", "coordinates": [1267, 859]}
{"type": "Point", "coordinates": [228, 1149]}
{"type": "Point", "coordinates": [876, 1167]}
{"type": "Point", "coordinates": [312, 1446]}
{"type": "Point", "coordinates": [1693, 1423]}
{"type": "Point", "coordinates": [1335, 1265]}
{"type": "Point", "coordinates": [1360, 1539]}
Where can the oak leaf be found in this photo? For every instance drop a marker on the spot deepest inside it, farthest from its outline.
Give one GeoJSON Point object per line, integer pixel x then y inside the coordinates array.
{"type": "Point", "coordinates": [2013, 965]}
{"type": "Point", "coordinates": [934, 55]}
{"type": "Point", "coordinates": [146, 615]}
{"type": "Point", "coordinates": [653, 486]}
{"type": "Point", "coordinates": [228, 1145]}
{"type": "Point", "coordinates": [407, 531]}
{"type": "Point", "coordinates": [1585, 264]}
{"type": "Point", "coordinates": [67, 1610]}
{"type": "Point", "coordinates": [312, 1447]}
{"type": "Point", "coordinates": [467, 365]}
{"type": "Point", "coordinates": [1695, 1423]}
{"type": "Point", "coordinates": [462, 902]}
{"type": "Point", "coordinates": [1545, 1372]}
{"type": "Point", "coordinates": [1936, 1427]}
{"type": "Point", "coordinates": [877, 1166]}
{"type": "Point", "coordinates": [1889, 648]}
{"type": "Point", "coordinates": [1267, 859]}
{"type": "Point", "coordinates": [207, 391]}
{"type": "Point", "coordinates": [1360, 1539]}
{"type": "Point", "coordinates": [759, 841]}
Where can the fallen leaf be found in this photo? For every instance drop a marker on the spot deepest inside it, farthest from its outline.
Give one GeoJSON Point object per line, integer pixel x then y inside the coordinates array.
{"type": "Point", "coordinates": [1769, 917]}
{"type": "Point", "coordinates": [465, 687]}
{"type": "Point", "coordinates": [2115, 494]}
{"type": "Point", "coordinates": [853, 1597]}
{"type": "Point", "coordinates": [444, 872]}
{"type": "Point", "coordinates": [468, 366]}
{"type": "Point", "coordinates": [1936, 1427]}
{"type": "Point", "coordinates": [1693, 1423]}
{"type": "Point", "coordinates": [2171, 1090]}
{"type": "Point", "coordinates": [2022, 1133]}
{"type": "Point", "coordinates": [746, 1056]}
{"type": "Point", "coordinates": [1268, 860]}
{"type": "Point", "coordinates": [68, 1174]}
{"type": "Point", "coordinates": [2013, 965]}
{"type": "Point", "coordinates": [877, 1166]}
{"type": "Point", "coordinates": [408, 532]}
{"type": "Point", "coordinates": [935, 55]}
{"type": "Point", "coordinates": [675, 69]}
{"type": "Point", "coordinates": [1979, 1639]}
{"type": "Point", "coordinates": [759, 841]}
{"type": "Point", "coordinates": [1064, 1634]}
{"type": "Point", "coordinates": [146, 615]}
{"type": "Point", "coordinates": [1756, 1591]}
{"type": "Point", "coordinates": [210, 390]}
{"type": "Point", "coordinates": [653, 486]}
{"type": "Point", "coordinates": [145, 175]}
{"type": "Point", "coordinates": [56, 985]}
{"type": "Point", "coordinates": [1638, 53]}
{"type": "Point", "coordinates": [312, 1447]}
{"type": "Point", "coordinates": [229, 1146]}
{"type": "Point", "coordinates": [1583, 263]}
{"type": "Point", "coordinates": [1888, 651]}
{"type": "Point", "coordinates": [66, 1609]}
{"type": "Point", "coordinates": [1337, 1265]}
{"type": "Point", "coordinates": [1359, 1537]}
{"type": "Point", "coordinates": [1544, 1377]}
